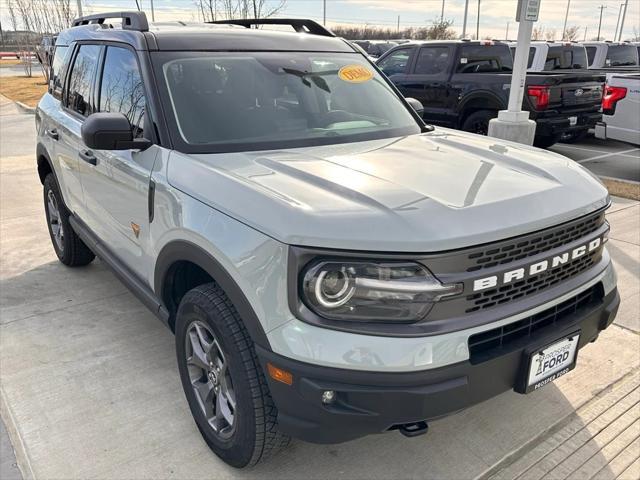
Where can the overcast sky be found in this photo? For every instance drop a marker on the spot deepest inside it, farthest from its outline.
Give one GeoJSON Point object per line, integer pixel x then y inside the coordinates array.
{"type": "Point", "coordinates": [494, 14]}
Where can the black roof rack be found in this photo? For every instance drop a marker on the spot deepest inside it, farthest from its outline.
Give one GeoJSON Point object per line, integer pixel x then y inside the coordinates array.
{"type": "Point", "coordinates": [130, 20]}
{"type": "Point", "coordinates": [300, 25]}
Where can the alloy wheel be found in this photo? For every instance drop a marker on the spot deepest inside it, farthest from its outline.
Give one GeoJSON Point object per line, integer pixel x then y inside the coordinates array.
{"type": "Point", "coordinates": [210, 378]}
{"type": "Point", "coordinates": [55, 222]}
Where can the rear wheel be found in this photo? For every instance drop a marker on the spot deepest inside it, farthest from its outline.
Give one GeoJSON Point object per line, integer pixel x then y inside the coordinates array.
{"type": "Point", "coordinates": [69, 248]}
{"type": "Point", "coordinates": [478, 122]}
{"type": "Point", "coordinates": [223, 381]}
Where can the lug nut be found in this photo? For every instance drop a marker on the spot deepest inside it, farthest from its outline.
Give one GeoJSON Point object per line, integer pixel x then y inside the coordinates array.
{"type": "Point", "coordinates": [328, 397]}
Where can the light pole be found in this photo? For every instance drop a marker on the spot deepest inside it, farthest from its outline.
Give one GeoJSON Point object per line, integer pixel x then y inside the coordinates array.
{"type": "Point", "coordinates": [601, 7]}
{"type": "Point", "coordinates": [79, 8]}
{"type": "Point", "coordinates": [478, 23]}
{"type": "Point", "coordinates": [324, 12]}
{"type": "Point", "coordinates": [442, 14]}
{"type": "Point", "coordinates": [615, 35]}
{"type": "Point", "coordinates": [566, 16]}
{"type": "Point", "coordinates": [624, 15]}
{"type": "Point", "coordinates": [506, 36]}
{"type": "Point", "coordinates": [153, 13]}
{"type": "Point", "coordinates": [464, 22]}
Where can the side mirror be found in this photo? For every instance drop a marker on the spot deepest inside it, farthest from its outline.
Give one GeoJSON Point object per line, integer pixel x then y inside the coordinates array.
{"type": "Point", "coordinates": [416, 105]}
{"type": "Point", "coordinates": [110, 131]}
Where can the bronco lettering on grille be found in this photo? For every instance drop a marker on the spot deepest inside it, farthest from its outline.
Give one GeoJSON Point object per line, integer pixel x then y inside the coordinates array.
{"type": "Point", "coordinates": [536, 268]}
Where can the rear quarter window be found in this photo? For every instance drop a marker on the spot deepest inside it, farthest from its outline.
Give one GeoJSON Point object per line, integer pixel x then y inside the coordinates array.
{"type": "Point", "coordinates": [58, 69]}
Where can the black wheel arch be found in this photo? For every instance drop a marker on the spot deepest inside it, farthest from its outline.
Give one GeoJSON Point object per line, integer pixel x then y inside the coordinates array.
{"type": "Point", "coordinates": [180, 251]}
{"type": "Point", "coordinates": [481, 100]}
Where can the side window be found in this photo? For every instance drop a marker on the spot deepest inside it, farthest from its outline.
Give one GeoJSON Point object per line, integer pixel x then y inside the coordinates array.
{"type": "Point", "coordinates": [591, 54]}
{"type": "Point", "coordinates": [396, 62]}
{"type": "Point", "coordinates": [81, 80]}
{"type": "Point", "coordinates": [483, 58]}
{"type": "Point", "coordinates": [58, 68]}
{"type": "Point", "coordinates": [432, 60]}
{"type": "Point", "coordinates": [532, 55]}
{"type": "Point", "coordinates": [121, 88]}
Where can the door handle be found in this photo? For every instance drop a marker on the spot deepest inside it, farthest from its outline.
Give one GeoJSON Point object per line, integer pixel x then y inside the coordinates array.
{"type": "Point", "coordinates": [88, 156]}
{"type": "Point", "coordinates": [53, 133]}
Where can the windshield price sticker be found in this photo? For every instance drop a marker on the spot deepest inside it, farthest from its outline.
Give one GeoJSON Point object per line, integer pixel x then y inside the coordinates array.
{"type": "Point", "coordinates": [355, 74]}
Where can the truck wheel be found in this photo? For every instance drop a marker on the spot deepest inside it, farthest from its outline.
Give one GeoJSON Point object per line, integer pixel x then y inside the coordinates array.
{"type": "Point", "coordinates": [223, 381]}
{"type": "Point", "coordinates": [546, 141]}
{"type": "Point", "coordinates": [69, 248]}
{"type": "Point", "coordinates": [478, 122]}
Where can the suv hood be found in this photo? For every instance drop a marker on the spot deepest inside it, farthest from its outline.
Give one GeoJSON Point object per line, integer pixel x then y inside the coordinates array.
{"type": "Point", "coordinates": [430, 192]}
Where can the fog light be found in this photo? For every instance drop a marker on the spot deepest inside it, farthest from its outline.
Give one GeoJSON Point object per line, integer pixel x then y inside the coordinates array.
{"type": "Point", "coordinates": [328, 396]}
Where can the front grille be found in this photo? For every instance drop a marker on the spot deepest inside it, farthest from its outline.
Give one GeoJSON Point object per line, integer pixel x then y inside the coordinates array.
{"type": "Point", "coordinates": [489, 344]}
{"type": "Point", "coordinates": [513, 291]}
{"type": "Point", "coordinates": [534, 244]}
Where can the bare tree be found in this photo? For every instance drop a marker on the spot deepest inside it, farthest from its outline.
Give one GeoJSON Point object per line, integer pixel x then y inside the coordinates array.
{"type": "Point", "coordinates": [537, 33]}
{"type": "Point", "coordinates": [550, 34]}
{"type": "Point", "coordinates": [571, 33]}
{"type": "Point", "coordinates": [211, 10]}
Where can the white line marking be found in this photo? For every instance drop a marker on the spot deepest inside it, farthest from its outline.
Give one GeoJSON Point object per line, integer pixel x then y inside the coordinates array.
{"type": "Point", "coordinates": [573, 147]}
{"type": "Point", "coordinates": [598, 157]}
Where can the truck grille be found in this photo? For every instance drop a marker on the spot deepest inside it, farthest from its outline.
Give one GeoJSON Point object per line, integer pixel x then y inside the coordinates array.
{"type": "Point", "coordinates": [534, 244]}
{"type": "Point", "coordinates": [507, 293]}
{"type": "Point", "coordinates": [489, 344]}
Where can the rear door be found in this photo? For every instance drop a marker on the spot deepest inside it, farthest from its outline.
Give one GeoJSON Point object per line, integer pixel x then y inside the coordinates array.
{"type": "Point", "coordinates": [428, 79]}
{"type": "Point", "coordinates": [116, 183]}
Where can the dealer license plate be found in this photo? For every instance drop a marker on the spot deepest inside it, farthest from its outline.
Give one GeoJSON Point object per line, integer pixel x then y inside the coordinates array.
{"type": "Point", "coordinates": [552, 362]}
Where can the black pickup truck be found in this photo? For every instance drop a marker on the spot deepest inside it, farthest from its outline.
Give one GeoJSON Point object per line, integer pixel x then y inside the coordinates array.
{"type": "Point", "coordinates": [463, 84]}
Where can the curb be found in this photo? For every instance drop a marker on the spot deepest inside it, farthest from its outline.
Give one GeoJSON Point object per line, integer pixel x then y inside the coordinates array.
{"type": "Point", "coordinates": [25, 108]}
{"type": "Point", "coordinates": [22, 458]}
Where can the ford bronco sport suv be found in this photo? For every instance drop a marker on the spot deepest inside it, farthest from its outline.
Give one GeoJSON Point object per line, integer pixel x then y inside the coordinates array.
{"type": "Point", "coordinates": [331, 266]}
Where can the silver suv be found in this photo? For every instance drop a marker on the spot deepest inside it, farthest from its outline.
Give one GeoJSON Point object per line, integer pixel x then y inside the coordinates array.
{"type": "Point", "coordinates": [331, 266]}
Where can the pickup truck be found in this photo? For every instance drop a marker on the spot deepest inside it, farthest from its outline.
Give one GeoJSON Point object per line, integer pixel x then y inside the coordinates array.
{"type": "Point", "coordinates": [463, 84]}
{"type": "Point", "coordinates": [554, 56]}
{"type": "Point", "coordinates": [620, 107]}
{"type": "Point", "coordinates": [614, 57]}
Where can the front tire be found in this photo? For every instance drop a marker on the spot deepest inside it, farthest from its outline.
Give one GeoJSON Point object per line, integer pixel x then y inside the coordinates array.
{"type": "Point", "coordinates": [224, 384]}
{"type": "Point", "coordinates": [69, 248]}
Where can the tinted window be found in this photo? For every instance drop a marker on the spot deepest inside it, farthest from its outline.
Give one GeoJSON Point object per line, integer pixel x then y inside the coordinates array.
{"type": "Point", "coordinates": [396, 62]}
{"type": "Point", "coordinates": [58, 67]}
{"type": "Point", "coordinates": [266, 100]}
{"type": "Point", "coordinates": [121, 88]}
{"type": "Point", "coordinates": [591, 54]}
{"type": "Point", "coordinates": [621, 56]}
{"type": "Point", "coordinates": [81, 79]}
{"type": "Point", "coordinates": [484, 59]}
{"type": "Point", "coordinates": [532, 54]}
{"type": "Point", "coordinates": [432, 60]}
{"type": "Point", "coordinates": [566, 57]}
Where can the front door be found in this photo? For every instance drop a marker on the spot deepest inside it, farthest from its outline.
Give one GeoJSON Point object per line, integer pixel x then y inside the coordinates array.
{"type": "Point", "coordinates": [116, 183]}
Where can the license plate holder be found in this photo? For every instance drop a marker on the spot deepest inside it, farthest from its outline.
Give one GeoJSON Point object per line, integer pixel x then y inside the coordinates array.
{"type": "Point", "coordinates": [543, 365]}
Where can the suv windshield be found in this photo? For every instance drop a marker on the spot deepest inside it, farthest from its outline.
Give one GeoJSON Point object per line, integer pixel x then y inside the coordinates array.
{"type": "Point", "coordinates": [621, 56]}
{"type": "Point", "coordinates": [566, 57]}
{"type": "Point", "coordinates": [225, 101]}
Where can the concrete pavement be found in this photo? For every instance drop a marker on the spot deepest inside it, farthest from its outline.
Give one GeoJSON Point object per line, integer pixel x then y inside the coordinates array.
{"type": "Point", "coordinates": [89, 386]}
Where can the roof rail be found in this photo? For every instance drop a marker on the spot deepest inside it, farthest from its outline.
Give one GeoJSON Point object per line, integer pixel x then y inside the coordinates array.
{"type": "Point", "coordinates": [300, 25]}
{"type": "Point", "coordinates": [130, 20]}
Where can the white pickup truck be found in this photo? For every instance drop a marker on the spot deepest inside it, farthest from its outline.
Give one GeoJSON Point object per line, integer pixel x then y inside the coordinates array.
{"type": "Point", "coordinates": [620, 107]}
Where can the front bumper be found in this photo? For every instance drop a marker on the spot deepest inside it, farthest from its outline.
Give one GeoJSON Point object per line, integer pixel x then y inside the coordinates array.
{"type": "Point", "coordinates": [373, 402]}
{"type": "Point", "coordinates": [555, 126]}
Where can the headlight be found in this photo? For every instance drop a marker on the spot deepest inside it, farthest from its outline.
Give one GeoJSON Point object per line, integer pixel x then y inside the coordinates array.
{"type": "Point", "coordinates": [372, 291]}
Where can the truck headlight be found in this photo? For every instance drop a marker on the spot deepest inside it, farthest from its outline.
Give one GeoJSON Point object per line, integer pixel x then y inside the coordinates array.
{"type": "Point", "coordinates": [372, 291]}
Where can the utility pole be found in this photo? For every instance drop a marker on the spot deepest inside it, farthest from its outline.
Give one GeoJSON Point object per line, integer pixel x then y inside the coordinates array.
{"type": "Point", "coordinates": [442, 14]}
{"type": "Point", "coordinates": [585, 34]}
{"type": "Point", "coordinates": [615, 35]}
{"type": "Point", "coordinates": [398, 24]}
{"type": "Point", "coordinates": [464, 22]}
{"type": "Point", "coordinates": [79, 8]}
{"type": "Point", "coordinates": [324, 12]}
{"type": "Point", "coordinates": [506, 36]}
{"type": "Point", "coordinates": [153, 13]}
{"type": "Point", "coordinates": [566, 16]}
{"type": "Point", "coordinates": [478, 23]}
{"type": "Point", "coordinates": [624, 15]}
{"type": "Point", "coordinates": [601, 7]}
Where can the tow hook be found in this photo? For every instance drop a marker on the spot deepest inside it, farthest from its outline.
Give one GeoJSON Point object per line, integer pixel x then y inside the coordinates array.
{"type": "Point", "coordinates": [414, 429]}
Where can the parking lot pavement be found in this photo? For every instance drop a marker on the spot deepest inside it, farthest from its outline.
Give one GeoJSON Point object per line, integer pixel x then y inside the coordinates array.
{"type": "Point", "coordinates": [89, 386]}
{"type": "Point", "coordinates": [604, 158]}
